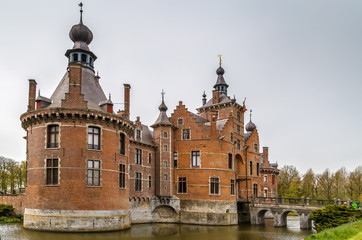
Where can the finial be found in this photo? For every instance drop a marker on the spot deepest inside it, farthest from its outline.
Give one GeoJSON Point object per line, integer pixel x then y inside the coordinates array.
{"type": "Point", "coordinates": [163, 94]}
{"type": "Point", "coordinates": [81, 11]}
{"type": "Point", "coordinates": [39, 93]}
{"type": "Point", "coordinates": [204, 95]}
{"type": "Point", "coordinates": [250, 114]}
{"type": "Point", "coordinates": [109, 96]}
{"type": "Point", "coordinates": [219, 56]}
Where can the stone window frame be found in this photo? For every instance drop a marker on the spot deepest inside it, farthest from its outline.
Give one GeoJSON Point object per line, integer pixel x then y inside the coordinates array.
{"type": "Point", "coordinates": [165, 177]}
{"type": "Point", "coordinates": [165, 164]}
{"type": "Point", "coordinates": [51, 168]}
{"type": "Point", "coordinates": [165, 147]}
{"type": "Point", "coordinates": [120, 152]}
{"type": "Point", "coordinates": [192, 158]}
{"type": "Point", "coordinates": [181, 185]}
{"type": "Point", "coordinates": [251, 168]}
{"type": "Point", "coordinates": [212, 180]}
{"type": "Point", "coordinates": [180, 121]}
{"type": "Point", "coordinates": [165, 135]}
{"type": "Point", "coordinates": [138, 156]}
{"type": "Point", "coordinates": [257, 169]}
{"type": "Point", "coordinates": [149, 181]}
{"type": "Point", "coordinates": [255, 148]}
{"type": "Point", "coordinates": [232, 187]}
{"type": "Point", "coordinates": [188, 133]}
{"type": "Point", "coordinates": [149, 160]}
{"type": "Point", "coordinates": [175, 159]}
{"type": "Point", "coordinates": [238, 129]}
{"type": "Point", "coordinates": [138, 182]}
{"type": "Point", "coordinates": [255, 190]}
{"type": "Point", "coordinates": [265, 189]}
{"type": "Point", "coordinates": [230, 161]}
{"type": "Point", "coordinates": [138, 134]}
{"type": "Point", "coordinates": [100, 137]}
{"type": "Point", "coordinates": [47, 135]}
{"type": "Point", "coordinates": [265, 179]}
{"type": "Point", "coordinates": [121, 175]}
{"type": "Point", "coordinates": [238, 144]}
{"type": "Point", "coordinates": [238, 115]}
{"type": "Point", "coordinates": [231, 137]}
{"type": "Point", "coordinates": [94, 170]}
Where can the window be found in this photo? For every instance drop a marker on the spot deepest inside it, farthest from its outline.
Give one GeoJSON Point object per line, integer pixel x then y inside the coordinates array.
{"type": "Point", "coordinates": [122, 176]}
{"type": "Point", "coordinates": [93, 173]}
{"type": "Point", "coordinates": [165, 164]}
{"type": "Point", "coordinates": [138, 156]}
{"type": "Point", "coordinates": [230, 161]}
{"type": "Point", "coordinates": [257, 169]}
{"type": "Point", "coordinates": [185, 134]}
{"type": "Point", "coordinates": [217, 115]}
{"type": "Point", "coordinates": [180, 121]}
{"type": "Point", "coordinates": [52, 172]}
{"type": "Point", "coordinates": [265, 178]}
{"type": "Point", "coordinates": [149, 181]}
{"type": "Point", "coordinates": [238, 144]}
{"type": "Point", "coordinates": [182, 186]}
{"type": "Point", "coordinates": [138, 133]}
{"type": "Point", "coordinates": [53, 136]}
{"type": "Point", "coordinates": [75, 57]}
{"type": "Point", "coordinates": [273, 179]}
{"type": "Point", "coordinates": [238, 116]}
{"type": "Point", "coordinates": [265, 192]}
{"type": "Point", "coordinates": [231, 137]}
{"type": "Point", "coordinates": [251, 168]}
{"type": "Point", "coordinates": [214, 185]}
{"type": "Point", "coordinates": [93, 138]}
{"type": "Point", "coordinates": [138, 181]}
{"type": "Point", "coordinates": [84, 58]}
{"type": "Point", "coordinates": [255, 189]}
{"type": "Point", "coordinates": [149, 158]}
{"type": "Point", "coordinates": [195, 158]}
{"type": "Point", "coordinates": [91, 61]}
{"type": "Point", "coordinates": [232, 187]}
{"type": "Point", "coordinates": [175, 159]}
{"type": "Point", "coordinates": [256, 148]}
{"type": "Point", "coordinates": [238, 128]}
{"type": "Point", "coordinates": [165, 148]}
{"type": "Point", "coordinates": [165, 177]}
{"type": "Point", "coordinates": [122, 144]}
{"type": "Point", "coordinates": [164, 134]}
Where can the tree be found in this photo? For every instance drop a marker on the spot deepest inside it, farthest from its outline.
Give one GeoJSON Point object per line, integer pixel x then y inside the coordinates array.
{"type": "Point", "coordinates": [339, 183]}
{"type": "Point", "coordinates": [326, 181]}
{"type": "Point", "coordinates": [3, 174]}
{"type": "Point", "coordinates": [308, 184]}
{"type": "Point", "coordinates": [354, 184]}
{"type": "Point", "coordinates": [289, 182]}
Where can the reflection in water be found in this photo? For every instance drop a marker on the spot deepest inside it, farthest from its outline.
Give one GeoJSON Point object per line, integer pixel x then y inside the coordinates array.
{"type": "Point", "coordinates": [169, 232]}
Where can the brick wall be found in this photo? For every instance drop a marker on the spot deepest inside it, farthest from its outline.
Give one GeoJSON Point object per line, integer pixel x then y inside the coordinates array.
{"type": "Point", "coordinates": [16, 200]}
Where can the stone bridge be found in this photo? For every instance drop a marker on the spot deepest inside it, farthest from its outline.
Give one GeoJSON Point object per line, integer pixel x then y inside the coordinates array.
{"type": "Point", "coordinates": [281, 207]}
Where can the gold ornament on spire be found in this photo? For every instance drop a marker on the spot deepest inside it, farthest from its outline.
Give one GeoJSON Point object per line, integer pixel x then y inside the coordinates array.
{"type": "Point", "coordinates": [219, 56]}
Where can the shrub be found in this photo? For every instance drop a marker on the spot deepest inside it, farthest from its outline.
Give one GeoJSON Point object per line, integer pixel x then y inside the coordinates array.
{"type": "Point", "coordinates": [6, 210]}
{"type": "Point", "coordinates": [333, 216]}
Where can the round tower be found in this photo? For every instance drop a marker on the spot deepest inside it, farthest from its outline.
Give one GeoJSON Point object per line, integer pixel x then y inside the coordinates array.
{"type": "Point", "coordinates": [77, 151]}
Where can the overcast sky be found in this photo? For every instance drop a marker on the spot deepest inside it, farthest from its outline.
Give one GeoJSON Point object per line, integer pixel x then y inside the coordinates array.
{"type": "Point", "coordinates": [298, 63]}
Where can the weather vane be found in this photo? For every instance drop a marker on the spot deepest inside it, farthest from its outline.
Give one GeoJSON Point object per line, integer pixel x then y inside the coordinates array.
{"type": "Point", "coordinates": [81, 11]}
{"type": "Point", "coordinates": [219, 56]}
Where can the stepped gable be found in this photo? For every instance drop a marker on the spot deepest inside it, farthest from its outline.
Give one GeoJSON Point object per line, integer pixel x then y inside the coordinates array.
{"type": "Point", "coordinates": [223, 99]}
{"type": "Point", "coordinates": [90, 88]}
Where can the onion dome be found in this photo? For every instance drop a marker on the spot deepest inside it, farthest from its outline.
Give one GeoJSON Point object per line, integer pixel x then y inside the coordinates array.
{"type": "Point", "coordinates": [162, 117]}
{"type": "Point", "coordinates": [250, 126]}
{"type": "Point", "coordinates": [163, 107]}
{"type": "Point", "coordinates": [220, 84]}
{"type": "Point", "coordinates": [81, 33]}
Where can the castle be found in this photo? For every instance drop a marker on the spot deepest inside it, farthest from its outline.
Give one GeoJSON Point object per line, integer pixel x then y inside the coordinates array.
{"type": "Point", "coordinates": [91, 169]}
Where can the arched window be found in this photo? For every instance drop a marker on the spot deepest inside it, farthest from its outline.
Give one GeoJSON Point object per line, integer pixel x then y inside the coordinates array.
{"type": "Point", "coordinates": [75, 57]}
{"type": "Point", "coordinates": [165, 164]}
{"type": "Point", "coordinates": [84, 58]}
{"type": "Point", "coordinates": [164, 134]}
{"type": "Point", "coordinates": [149, 181]}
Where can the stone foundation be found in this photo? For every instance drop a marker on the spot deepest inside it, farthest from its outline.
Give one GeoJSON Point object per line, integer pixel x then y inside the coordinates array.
{"type": "Point", "coordinates": [76, 220]}
{"type": "Point", "coordinates": [206, 212]}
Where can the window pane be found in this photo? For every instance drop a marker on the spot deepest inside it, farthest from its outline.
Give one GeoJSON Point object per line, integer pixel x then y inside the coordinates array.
{"type": "Point", "coordinates": [90, 177]}
{"type": "Point", "coordinates": [90, 138]}
{"type": "Point", "coordinates": [90, 164]}
{"type": "Point", "coordinates": [49, 162]}
{"type": "Point", "coordinates": [55, 162]}
{"type": "Point", "coordinates": [55, 176]}
{"type": "Point", "coordinates": [96, 164]}
{"type": "Point", "coordinates": [96, 177]}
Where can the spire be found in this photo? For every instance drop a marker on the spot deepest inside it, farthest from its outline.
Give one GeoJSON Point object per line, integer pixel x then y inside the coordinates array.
{"type": "Point", "coordinates": [250, 126]}
{"type": "Point", "coordinates": [163, 107]}
{"type": "Point", "coordinates": [162, 117]}
{"type": "Point", "coordinates": [221, 85]}
{"type": "Point", "coordinates": [204, 98]}
{"type": "Point", "coordinates": [81, 12]}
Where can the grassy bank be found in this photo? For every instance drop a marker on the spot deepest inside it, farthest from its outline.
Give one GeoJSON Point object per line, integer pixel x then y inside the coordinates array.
{"type": "Point", "coordinates": [350, 231]}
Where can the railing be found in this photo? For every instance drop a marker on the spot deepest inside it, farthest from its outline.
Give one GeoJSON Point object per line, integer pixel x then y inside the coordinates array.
{"type": "Point", "coordinates": [294, 201]}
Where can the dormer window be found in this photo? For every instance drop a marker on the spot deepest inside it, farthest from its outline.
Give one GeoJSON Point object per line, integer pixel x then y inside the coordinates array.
{"type": "Point", "coordinates": [180, 121]}
{"type": "Point", "coordinates": [255, 148]}
{"type": "Point", "coordinates": [138, 133]}
{"type": "Point", "coordinates": [75, 57]}
{"type": "Point", "coordinates": [84, 58]}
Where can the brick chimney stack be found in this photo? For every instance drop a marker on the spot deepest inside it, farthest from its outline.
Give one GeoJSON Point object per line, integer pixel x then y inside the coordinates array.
{"type": "Point", "coordinates": [215, 96]}
{"type": "Point", "coordinates": [266, 154]}
{"type": "Point", "coordinates": [127, 89]}
{"type": "Point", "coordinates": [32, 94]}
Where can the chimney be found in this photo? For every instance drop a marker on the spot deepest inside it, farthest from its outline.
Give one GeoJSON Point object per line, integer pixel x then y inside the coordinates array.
{"type": "Point", "coordinates": [266, 154]}
{"type": "Point", "coordinates": [215, 96]}
{"type": "Point", "coordinates": [127, 89]}
{"type": "Point", "coordinates": [32, 93]}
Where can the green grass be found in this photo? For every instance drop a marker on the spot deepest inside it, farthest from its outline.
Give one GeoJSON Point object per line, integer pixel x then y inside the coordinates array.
{"type": "Point", "coordinates": [350, 231]}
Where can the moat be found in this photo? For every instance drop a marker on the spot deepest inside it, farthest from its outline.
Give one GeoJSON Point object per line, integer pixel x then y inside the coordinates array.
{"type": "Point", "coordinates": [169, 231]}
